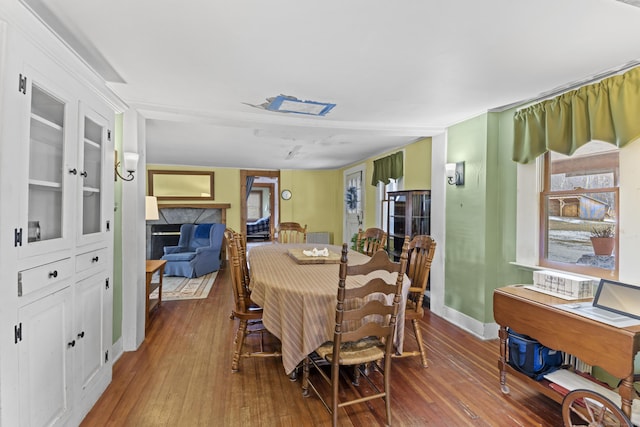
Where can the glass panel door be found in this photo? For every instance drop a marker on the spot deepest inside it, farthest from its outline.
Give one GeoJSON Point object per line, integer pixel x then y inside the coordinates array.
{"type": "Point", "coordinates": [46, 162]}
{"type": "Point", "coordinates": [93, 134]}
{"type": "Point", "coordinates": [91, 174]}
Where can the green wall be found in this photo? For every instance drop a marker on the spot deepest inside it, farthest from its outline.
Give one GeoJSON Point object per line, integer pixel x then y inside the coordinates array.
{"type": "Point", "coordinates": [480, 215]}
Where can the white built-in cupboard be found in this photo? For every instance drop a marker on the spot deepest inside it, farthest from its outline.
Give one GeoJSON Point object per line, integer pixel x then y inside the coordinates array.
{"type": "Point", "coordinates": [56, 238]}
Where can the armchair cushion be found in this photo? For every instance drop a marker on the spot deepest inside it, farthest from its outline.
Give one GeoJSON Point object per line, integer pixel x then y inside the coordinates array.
{"type": "Point", "coordinates": [198, 251]}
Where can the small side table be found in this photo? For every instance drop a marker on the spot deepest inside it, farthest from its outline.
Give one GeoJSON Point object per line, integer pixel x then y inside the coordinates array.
{"type": "Point", "coordinates": [152, 266]}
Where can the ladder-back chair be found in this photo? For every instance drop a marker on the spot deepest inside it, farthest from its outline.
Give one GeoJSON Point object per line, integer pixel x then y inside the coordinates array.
{"type": "Point", "coordinates": [421, 251]}
{"type": "Point", "coordinates": [291, 232]}
{"type": "Point", "coordinates": [371, 240]}
{"type": "Point", "coordinates": [365, 326]}
{"type": "Point", "coordinates": [245, 310]}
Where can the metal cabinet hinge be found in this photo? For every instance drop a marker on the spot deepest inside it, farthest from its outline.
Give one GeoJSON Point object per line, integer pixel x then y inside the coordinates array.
{"type": "Point", "coordinates": [106, 283]}
{"type": "Point", "coordinates": [22, 84]}
{"type": "Point", "coordinates": [17, 239]}
{"type": "Point", "coordinates": [106, 356]}
{"type": "Point", "coordinates": [108, 134]}
{"type": "Point", "coordinates": [17, 331]}
{"type": "Point", "coordinates": [108, 225]}
{"type": "Point", "coordinates": [19, 283]}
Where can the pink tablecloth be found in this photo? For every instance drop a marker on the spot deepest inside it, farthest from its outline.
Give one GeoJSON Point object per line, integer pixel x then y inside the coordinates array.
{"type": "Point", "coordinates": [299, 301]}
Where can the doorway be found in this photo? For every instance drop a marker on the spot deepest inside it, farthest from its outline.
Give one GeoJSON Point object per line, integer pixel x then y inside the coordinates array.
{"type": "Point", "coordinates": [258, 201]}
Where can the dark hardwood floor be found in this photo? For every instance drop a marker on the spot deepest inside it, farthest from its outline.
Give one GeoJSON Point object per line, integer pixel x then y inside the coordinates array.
{"type": "Point", "coordinates": [181, 376]}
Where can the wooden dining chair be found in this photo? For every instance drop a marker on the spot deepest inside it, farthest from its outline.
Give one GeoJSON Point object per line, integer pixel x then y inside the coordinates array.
{"type": "Point", "coordinates": [371, 240]}
{"type": "Point", "coordinates": [421, 251]}
{"type": "Point", "coordinates": [245, 310]}
{"type": "Point", "coordinates": [230, 236]}
{"type": "Point", "coordinates": [291, 232]}
{"type": "Point", "coordinates": [365, 320]}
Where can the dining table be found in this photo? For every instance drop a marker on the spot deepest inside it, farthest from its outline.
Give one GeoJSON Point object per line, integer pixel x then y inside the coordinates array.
{"type": "Point", "coordinates": [299, 296]}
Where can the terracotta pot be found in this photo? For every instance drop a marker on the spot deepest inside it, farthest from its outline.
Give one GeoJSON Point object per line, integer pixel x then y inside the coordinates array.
{"type": "Point", "coordinates": [603, 245]}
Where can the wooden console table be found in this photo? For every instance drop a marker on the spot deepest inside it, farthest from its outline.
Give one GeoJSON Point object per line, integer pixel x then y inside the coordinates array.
{"type": "Point", "coordinates": [152, 266]}
{"type": "Point", "coordinates": [532, 313]}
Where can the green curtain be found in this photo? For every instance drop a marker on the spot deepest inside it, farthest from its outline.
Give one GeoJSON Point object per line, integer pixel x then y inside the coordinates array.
{"type": "Point", "coordinates": [607, 111]}
{"type": "Point", "coordinates": [386, 168]}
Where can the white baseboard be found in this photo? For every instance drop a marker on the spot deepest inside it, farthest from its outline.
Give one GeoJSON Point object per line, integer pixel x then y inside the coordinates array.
{"type": "Point", "coordinates": [117, 349]}
{"type": "Point", "coordinates": [484, 331]}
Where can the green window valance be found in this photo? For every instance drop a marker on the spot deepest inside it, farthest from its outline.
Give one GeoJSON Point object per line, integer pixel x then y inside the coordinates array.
{"type": "Point", "coordinates": [386, 168]}
{"type": "Point", "coordinates": [607, 111]}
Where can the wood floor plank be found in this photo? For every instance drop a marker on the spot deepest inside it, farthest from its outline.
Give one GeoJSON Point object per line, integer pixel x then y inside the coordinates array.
{"type": "Point", "coordinates": [181, 376]}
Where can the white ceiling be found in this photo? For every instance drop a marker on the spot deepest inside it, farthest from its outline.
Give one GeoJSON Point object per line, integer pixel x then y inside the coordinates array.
{"type": "Point", "coordinates": [396, 70]}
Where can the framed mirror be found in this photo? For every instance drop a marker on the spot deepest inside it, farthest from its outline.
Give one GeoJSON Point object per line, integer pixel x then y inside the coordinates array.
{"type": "Point", "coordinates": [181, 185]}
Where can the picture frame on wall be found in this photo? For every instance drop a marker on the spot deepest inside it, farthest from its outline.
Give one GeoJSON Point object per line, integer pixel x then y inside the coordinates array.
{"type": "Point", "coordinates": [181, 184]}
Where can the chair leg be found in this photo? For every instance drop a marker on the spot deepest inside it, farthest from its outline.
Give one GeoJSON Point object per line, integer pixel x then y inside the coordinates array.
{"type": "Point", "coordinates": [305, 377]}
{"type": "Point", "coordinates": [335, 379]}
{"type": "Point", "coordinates": [242, 332]}
{"type": "Point", "coordinates": [387, 388]}
{"type": "Point", "coordinates": [356, 376]}
{"type": "Point", "coordinates": [423, 351]}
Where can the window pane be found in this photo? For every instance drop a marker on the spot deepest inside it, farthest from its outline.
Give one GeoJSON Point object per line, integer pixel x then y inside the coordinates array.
{"type": "Point", "coordinates": [572, 219]}
{"type": "Point", "coordinates": [581, 200]}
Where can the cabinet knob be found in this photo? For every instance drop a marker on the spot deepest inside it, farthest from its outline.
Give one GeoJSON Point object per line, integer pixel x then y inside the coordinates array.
{"type": "Point", "coordinates": [94, 259]}
{"type": "Point", "coordinates": [53, 274]}
{"type": "Point", "coordinates": [71, 344]}
{"type": "Point", "coordinates": [81, 334]}
{"type": "Point", "coordinates": [84, 174]}
{"type": "Point", "coordinates": [73, 171]}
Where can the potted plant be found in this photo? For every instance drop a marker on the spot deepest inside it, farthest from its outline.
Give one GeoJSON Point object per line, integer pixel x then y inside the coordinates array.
{"type": "Point", "coordinates": [602, 240]}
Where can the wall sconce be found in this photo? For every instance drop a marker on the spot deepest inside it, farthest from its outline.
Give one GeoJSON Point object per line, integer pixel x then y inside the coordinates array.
{"type": "Point", "coordinates": [455, 173]}
{"type": "Point", "coordinates": [130, 165]}
{"type": "Point", "coordinates": [151, 208]}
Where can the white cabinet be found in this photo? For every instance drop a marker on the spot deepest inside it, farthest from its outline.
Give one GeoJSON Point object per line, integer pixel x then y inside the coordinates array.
{"type": "Point", "coordinates": [92, 344]}
{"type": "Point", "coordinates": [56, 239]}
{"type": "Point", "coordinates": [44, 340]}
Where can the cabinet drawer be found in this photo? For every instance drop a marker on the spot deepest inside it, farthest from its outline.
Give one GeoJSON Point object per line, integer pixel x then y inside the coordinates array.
{"type": "Point", "coordinates": [44, 275]}
{"type": "Point", "coordinates": [91, 259]}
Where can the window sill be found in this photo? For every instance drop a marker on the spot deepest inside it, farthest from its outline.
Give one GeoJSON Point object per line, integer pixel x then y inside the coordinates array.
{"type": "Point", "coordinates": [555, 270]}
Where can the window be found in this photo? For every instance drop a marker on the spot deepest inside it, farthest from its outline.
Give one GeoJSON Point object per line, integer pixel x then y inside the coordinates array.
{"type": "Point", "coordinates": [381, 197]}
{"type": "Point", "coordinates": [580, 201]}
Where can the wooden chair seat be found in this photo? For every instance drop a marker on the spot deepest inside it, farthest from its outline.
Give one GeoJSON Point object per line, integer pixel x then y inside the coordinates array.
{"type": "Point", "coordinates": [369, 349]}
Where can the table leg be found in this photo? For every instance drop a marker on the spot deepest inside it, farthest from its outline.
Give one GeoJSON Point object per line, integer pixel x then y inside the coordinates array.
{"type": "Point", "coordinates": [161, 273]}
{"type": "Point", "coordinates": [627, 393]}
{"type": "Point", "coordinates": [502, 364]}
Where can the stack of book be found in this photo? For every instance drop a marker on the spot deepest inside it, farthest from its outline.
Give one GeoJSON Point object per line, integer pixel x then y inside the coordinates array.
{"type": "Point", "coordinates": [563, 284]}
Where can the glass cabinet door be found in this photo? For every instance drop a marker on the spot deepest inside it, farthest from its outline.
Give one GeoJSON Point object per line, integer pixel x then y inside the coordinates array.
{"type": "Point", "coordinates": [46, 167]}
{"type": "Point", "coordinates": [93, 134]}
{"type": "Point", "coordinates": [396, 225]}
{"type": "Point", "coordinates": [408, 214]}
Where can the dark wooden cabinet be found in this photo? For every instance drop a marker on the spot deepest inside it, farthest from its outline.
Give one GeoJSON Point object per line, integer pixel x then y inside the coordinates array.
{"type": "Point", "coordinates": [408, 213]}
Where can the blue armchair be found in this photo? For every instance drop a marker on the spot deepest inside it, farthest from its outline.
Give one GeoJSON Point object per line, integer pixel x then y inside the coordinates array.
{"type": "Point", "coordinates": [198, 251]}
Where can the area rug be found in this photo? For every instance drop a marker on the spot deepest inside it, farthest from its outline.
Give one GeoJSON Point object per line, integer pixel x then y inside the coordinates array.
{"type": "Point", "coordinates": [181, 288]}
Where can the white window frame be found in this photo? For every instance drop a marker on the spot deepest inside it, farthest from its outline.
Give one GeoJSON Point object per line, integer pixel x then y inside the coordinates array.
{"type": "Point", "coordinates": [529, 185]}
